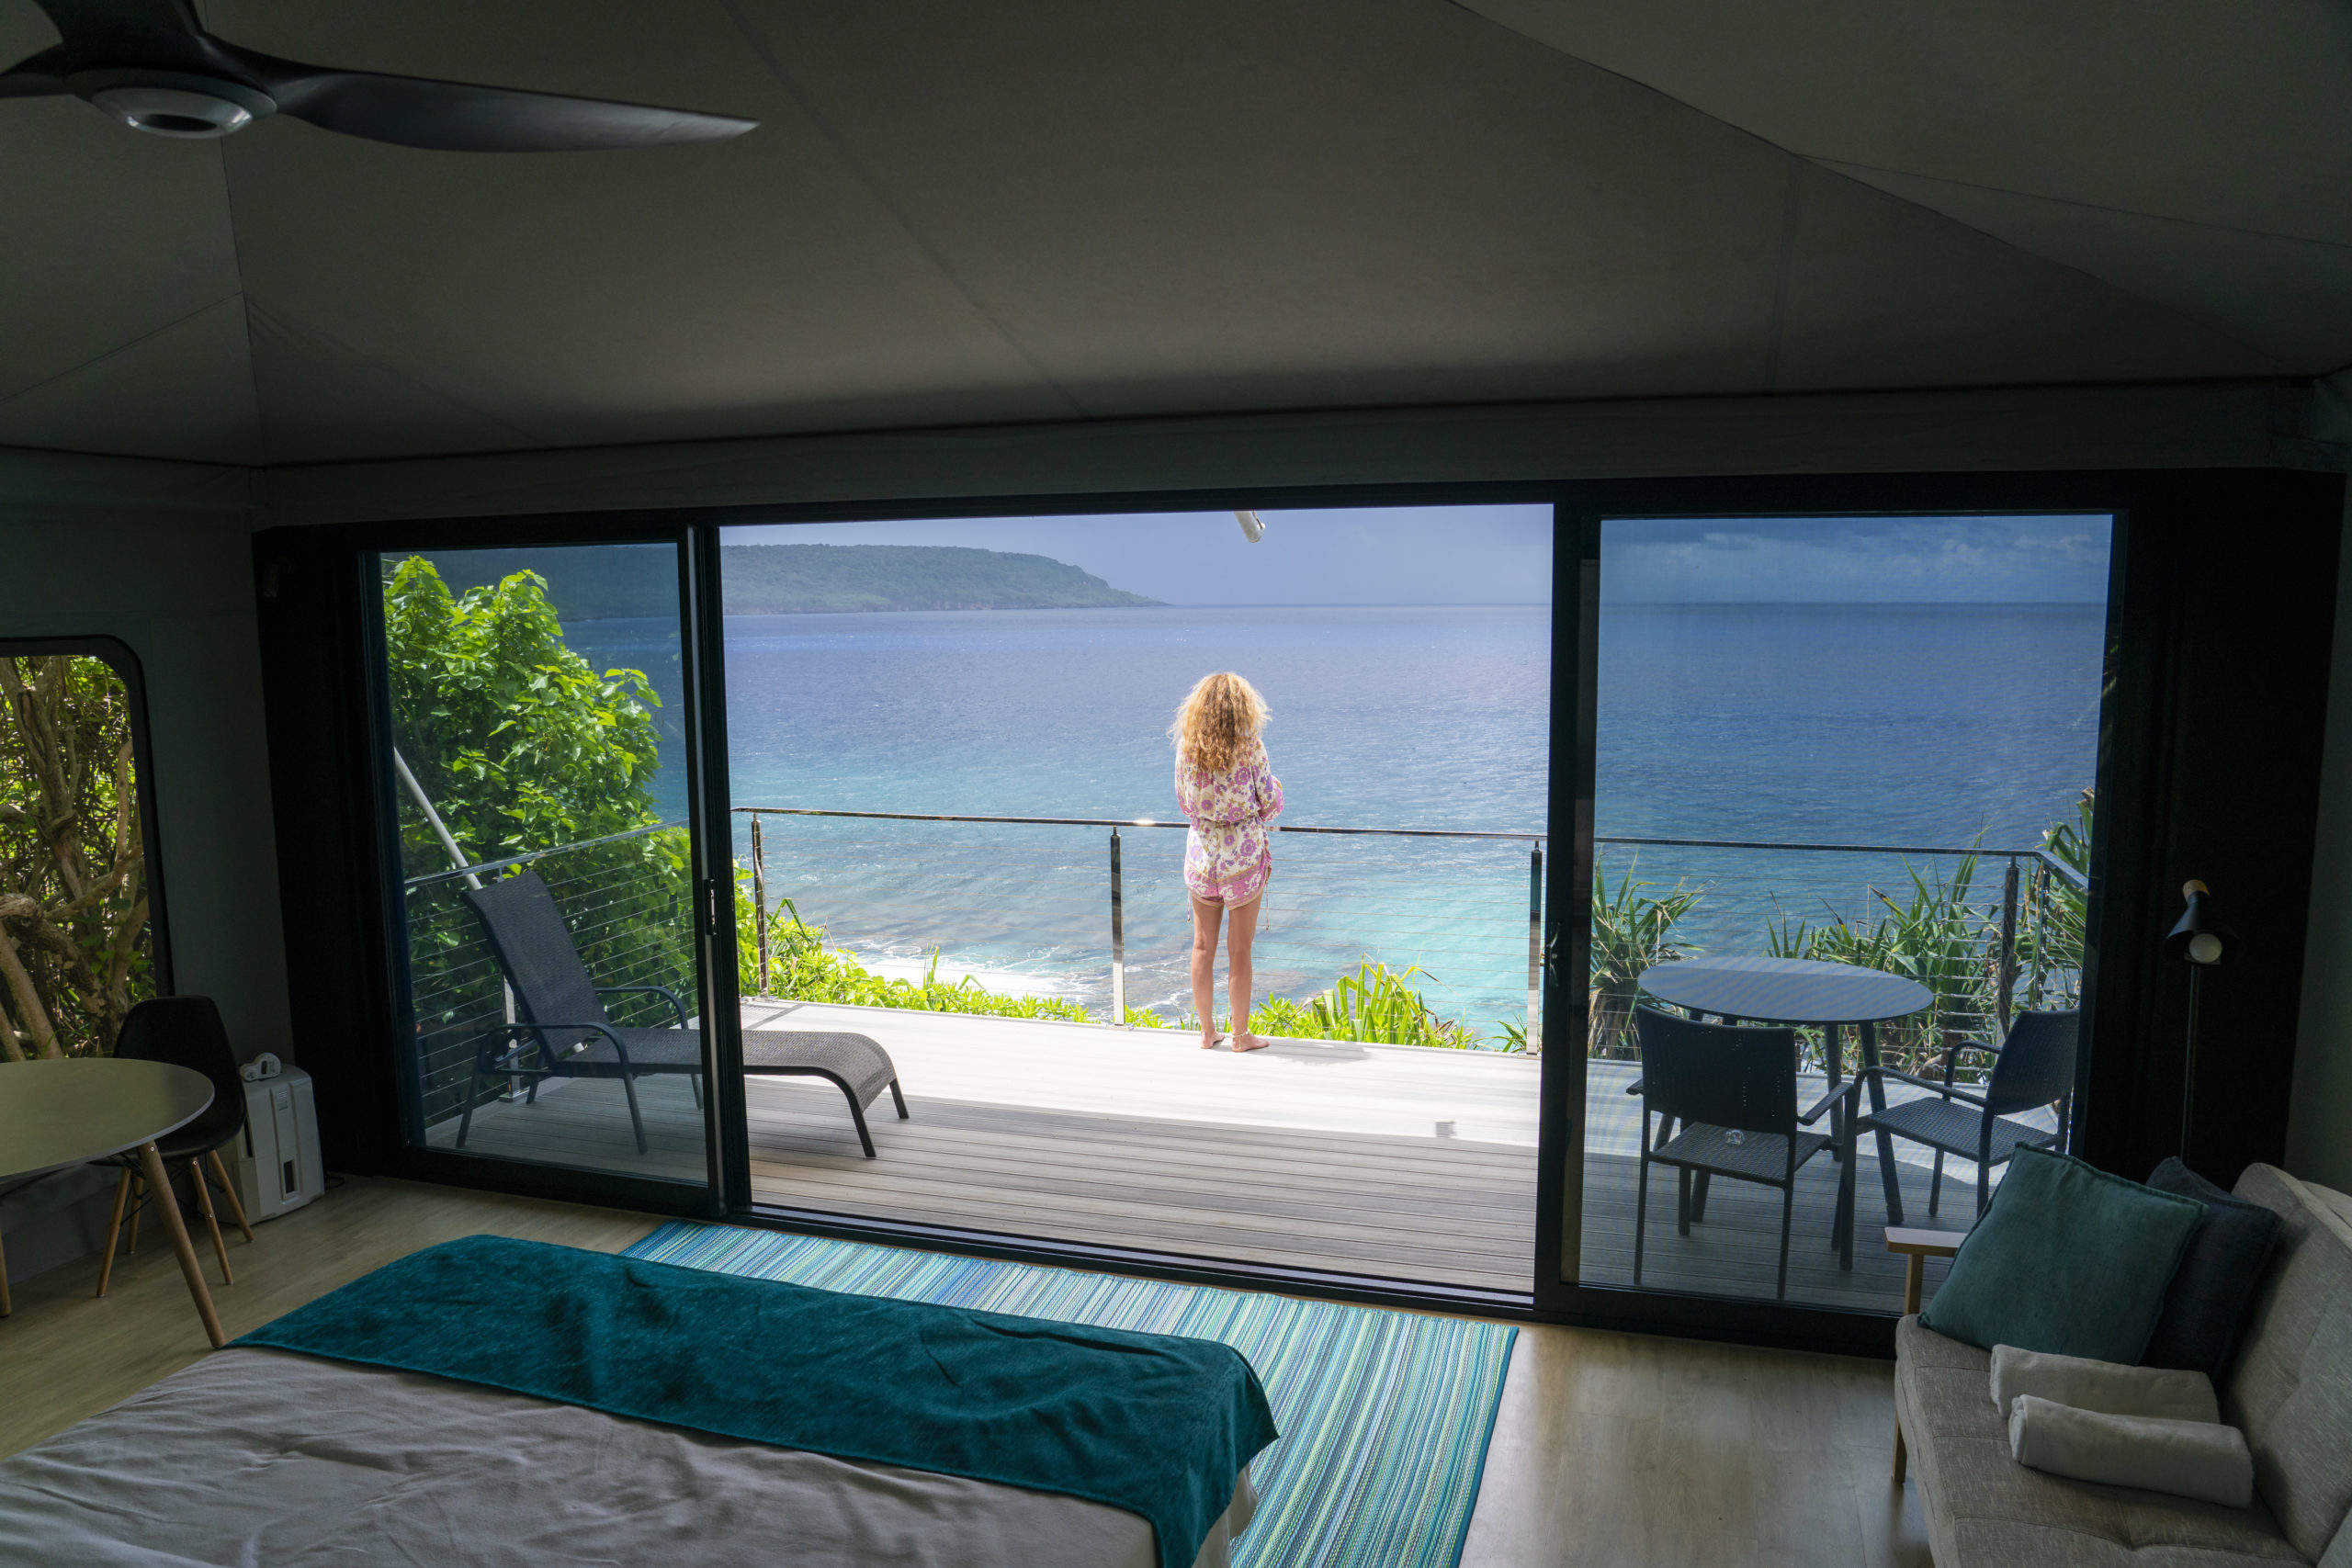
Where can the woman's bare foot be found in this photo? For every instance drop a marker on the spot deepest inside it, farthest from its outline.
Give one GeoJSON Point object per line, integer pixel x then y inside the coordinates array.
{"type": "Point", "coordinates": [1248, 1042]}
{"type": "Point", "coordinates": [1210, 1041]}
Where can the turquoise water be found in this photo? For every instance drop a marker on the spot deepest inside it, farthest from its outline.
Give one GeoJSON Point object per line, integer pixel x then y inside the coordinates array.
{"type": "Point", "coordinates": [1916, 725]}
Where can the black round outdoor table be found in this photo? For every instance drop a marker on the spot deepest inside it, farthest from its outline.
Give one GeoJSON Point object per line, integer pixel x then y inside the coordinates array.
{"type": "Point", "coordinates": [1801, 991]}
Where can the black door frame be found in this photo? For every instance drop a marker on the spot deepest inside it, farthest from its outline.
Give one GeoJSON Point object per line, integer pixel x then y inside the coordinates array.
{"type": "Point", "coordinates": [2178, 636]}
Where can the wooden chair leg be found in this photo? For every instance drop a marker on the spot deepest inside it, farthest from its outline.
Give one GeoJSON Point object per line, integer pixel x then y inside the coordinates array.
{"type": "Point", "coordinates": [137, 1207]}
{"type": "Point", "coordinates": [229, 1191]}
{"type": "Point", "coordinates": [204, 1202]}
{"type": "Point", "coordinates": [114, 1231]}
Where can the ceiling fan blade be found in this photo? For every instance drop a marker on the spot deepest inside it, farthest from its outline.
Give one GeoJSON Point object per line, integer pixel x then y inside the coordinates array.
{"type": "Point", "coordinates": [38, 75]}
{"type": "Point", "coordinates": [98, 27]}
{"type": "Point", "coordinates": [454, 117]}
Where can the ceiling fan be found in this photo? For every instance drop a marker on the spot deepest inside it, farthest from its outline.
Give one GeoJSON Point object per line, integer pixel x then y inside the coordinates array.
{"type": "Point", "coordinates": [151, 64]}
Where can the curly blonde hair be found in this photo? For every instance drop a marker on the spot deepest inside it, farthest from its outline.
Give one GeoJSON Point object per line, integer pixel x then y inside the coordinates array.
{"type": "Point", "coordinates": [1218, 722]}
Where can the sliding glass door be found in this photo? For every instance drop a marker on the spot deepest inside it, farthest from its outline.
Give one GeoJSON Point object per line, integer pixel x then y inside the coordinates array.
{"type": "Point", "coordinates": [955, 804]}
{"type": "Point", "coordinates": [1844, 776]}
{"type": "Point", "coordinates": [536, 755]}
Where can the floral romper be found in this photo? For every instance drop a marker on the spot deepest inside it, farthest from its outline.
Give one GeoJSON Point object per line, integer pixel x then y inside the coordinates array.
{"type": "Point", "coordinates": [1226, 857]}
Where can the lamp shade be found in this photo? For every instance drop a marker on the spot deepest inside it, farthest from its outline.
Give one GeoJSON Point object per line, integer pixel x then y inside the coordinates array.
{"type": "Point", "coordinates": [2201, 936]}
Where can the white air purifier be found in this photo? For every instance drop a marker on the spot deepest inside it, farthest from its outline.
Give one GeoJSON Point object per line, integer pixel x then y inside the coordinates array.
{"type": "Point", "coordinates": [278, 1169]}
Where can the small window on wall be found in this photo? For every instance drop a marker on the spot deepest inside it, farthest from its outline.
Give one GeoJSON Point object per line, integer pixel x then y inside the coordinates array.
{"type": "Point", "coordinates": [80, 937]}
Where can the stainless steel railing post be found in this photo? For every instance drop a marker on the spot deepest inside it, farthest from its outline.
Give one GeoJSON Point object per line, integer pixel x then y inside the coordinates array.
{"type": "Point", "coordinates": [1534, 949]}
{"type": "Point", "coordinates": [2008, 965]}
{"type": "Point", "coordinates": [760, 897]}
{"type": "Point", "coordinates": [1118, 938]}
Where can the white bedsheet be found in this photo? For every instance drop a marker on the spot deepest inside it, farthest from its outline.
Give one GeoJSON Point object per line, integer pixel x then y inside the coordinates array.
{"type": "Point", "coordinates": [264, 1459]}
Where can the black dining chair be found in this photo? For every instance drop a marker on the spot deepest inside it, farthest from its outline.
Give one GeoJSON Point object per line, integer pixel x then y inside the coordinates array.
{"type": "Point", "coordinates": [1734, 1092]}
{"type": "Point", "coordinates": [185, 1032]}
{"type": "Point", "coordinates": [2032, 1066]}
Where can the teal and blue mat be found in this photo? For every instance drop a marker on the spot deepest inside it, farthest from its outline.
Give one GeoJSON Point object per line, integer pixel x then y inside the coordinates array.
{"type": "Point", "coordinates": [1384, 1415]}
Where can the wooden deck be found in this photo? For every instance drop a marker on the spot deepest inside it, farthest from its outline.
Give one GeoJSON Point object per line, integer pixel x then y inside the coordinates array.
{"type": "Point", "coordinates": [1390, 1162]}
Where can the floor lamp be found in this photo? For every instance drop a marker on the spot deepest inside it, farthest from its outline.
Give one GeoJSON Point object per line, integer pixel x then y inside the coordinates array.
{"type": "Point", "coordinates": [2200, 939]}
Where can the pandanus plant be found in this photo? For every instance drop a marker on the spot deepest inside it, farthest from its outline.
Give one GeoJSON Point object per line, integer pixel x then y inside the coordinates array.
{"type": "Point", "coordinates": [1633, 931]}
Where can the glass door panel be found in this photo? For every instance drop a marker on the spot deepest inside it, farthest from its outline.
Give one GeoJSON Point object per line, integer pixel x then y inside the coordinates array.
{"type": "Point", "coordinates": [957, 818]}
{"type": "Point", "coordinates": [537, 758]}
{"type": "Point", "coordinates": [1845, 769]}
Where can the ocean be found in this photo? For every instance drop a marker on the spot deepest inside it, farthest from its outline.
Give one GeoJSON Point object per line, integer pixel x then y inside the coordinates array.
{"type": "Point", "coordinates": [1916, 725]}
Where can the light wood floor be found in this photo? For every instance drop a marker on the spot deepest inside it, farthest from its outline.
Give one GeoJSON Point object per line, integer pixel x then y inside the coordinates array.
{"type": "Point", "coordinates": [1609, 1448]}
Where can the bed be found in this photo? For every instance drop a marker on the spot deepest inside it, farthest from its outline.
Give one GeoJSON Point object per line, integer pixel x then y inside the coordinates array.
{"type": "Point", "coordinates": [263, 1454]}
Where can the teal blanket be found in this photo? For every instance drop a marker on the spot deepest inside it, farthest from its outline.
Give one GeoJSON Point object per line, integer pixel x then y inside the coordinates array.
{"type": "Point", "coordinates": [1149, 1422]}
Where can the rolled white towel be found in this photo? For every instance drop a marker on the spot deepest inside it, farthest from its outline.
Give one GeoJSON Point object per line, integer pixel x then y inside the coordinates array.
{"type": "Point", "coordinates": [2104, 1386]}
{"type": "Point", "coordinates": [2188, 1459]}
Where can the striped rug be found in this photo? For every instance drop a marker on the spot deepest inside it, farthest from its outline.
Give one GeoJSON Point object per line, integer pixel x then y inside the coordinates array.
{"type": "Point", "coordinates": [1384, 1415]}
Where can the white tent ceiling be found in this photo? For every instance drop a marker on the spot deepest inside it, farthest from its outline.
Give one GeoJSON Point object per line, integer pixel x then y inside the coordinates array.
{"type": "Point", "coordinates": [1037, 210]}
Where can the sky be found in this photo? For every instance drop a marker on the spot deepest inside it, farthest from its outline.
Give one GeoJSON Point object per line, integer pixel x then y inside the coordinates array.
{"type": "Point", "coordinates": [1502, 555]}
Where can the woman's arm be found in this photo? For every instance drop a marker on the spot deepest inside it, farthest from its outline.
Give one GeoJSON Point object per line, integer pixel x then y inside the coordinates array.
{"type": "Point", "coordinates": [1270, 794]}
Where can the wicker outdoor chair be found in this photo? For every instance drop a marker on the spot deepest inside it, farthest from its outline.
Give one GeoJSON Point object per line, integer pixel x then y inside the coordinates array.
{"type": "Point", "coordinates": [1735, 1092]}
{"type": "Point", "coordinates": [564, 1031]}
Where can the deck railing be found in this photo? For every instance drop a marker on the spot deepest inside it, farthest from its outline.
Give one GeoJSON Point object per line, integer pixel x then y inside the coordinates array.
{"type": "Point", "coordinates": [624, 896]}
{"type": "Point", "coordinates": [1339, 895]}
{"type": "Point", "coordinates": [1444, 901]}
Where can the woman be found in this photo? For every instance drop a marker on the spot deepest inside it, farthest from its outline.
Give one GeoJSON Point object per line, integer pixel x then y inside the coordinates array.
{"type": "Point", "coordinates": [1228, 791]}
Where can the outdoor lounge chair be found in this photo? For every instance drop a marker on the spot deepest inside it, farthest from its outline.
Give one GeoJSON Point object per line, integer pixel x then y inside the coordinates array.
{"type": "Point", "coordinates": [2033, 1067]}
{"type": "Point", "coordinates": [564, 1032]}
{"type": "Point", "coordinates": [1735, 1090]}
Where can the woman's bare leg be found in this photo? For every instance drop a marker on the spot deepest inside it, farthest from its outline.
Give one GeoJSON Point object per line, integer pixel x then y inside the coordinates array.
{"type": "Point", "coordinates": [1205, 923]}
{"type": "Point", "coordinates": [1239, 976]}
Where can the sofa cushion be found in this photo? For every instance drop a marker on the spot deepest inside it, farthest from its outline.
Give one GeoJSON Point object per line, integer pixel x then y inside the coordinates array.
{"type": "Point", "coordinates": [2207, 1302]}
{"type": "Point", "coordinates": [2291, 1387]}
{"type": "Point", "coordinates": [2067, 1258]}
{"type": "Point", "coordinates": [1984, 1508]}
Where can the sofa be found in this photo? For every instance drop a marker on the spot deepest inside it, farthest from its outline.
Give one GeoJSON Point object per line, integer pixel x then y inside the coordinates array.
{"type": "Point", "coordinates": [2289, 1389]}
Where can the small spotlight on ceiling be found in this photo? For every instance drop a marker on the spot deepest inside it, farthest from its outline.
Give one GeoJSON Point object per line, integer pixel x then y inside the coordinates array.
{"type": "Point", "coordinates": [1253, 527]}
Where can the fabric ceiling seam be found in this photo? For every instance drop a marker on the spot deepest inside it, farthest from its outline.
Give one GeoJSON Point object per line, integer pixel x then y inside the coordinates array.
{"type": "Point", "coordinates": [1840, 166]}
{"type": "Point", "coordinates": [874, 188]}
{"type": "Point", "coordinates": [237, 260]}
{"type": "Point", "coordinates": [1829, 166]}
{"type": "Point", "coordinates": [534, 440]}
{"type": "Point", "coordinates": [97, 359]}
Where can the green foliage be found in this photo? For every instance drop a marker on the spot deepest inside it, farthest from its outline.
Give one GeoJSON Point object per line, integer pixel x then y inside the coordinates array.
{"type": "Point", "coordinates": [519, 744]}
{"type": "Point", "coordinates": [2051, 938]}
{"type": "Point", "coordinates": [1631, 931]}
{"type": "Point", "coordinates": [76, 942]}
{"type": "Point", "coordinates": [1377, 1005]}
{"type": "Point", "coordinates": [521, 747]}
{"type": "Point", "coordinates": [802, 968]}
{"type": "Point", "coordinates": [1935, 937]}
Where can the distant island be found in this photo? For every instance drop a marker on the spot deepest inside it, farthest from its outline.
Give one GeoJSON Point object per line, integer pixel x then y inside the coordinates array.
{"type": "Point", "coordinates": [617, 582]}
{"type": "Point", "coordinates": [784, 579]}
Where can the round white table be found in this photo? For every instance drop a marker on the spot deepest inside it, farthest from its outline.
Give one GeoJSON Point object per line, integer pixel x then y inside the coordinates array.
{"type": "Point", "coordinates": [59, 1113]}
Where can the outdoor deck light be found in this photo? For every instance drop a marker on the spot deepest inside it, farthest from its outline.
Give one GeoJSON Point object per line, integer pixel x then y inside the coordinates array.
{"type": "Point", "coordinates": [2201, 937]}
{"type": "Point", "coordinates": [1253, 527]}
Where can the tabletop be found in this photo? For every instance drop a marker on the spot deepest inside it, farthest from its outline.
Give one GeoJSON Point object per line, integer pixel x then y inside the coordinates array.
{"type": "Point", "coordinates": [1785, 991]}
{"type": "Point", "coordinates": [56, 1114]}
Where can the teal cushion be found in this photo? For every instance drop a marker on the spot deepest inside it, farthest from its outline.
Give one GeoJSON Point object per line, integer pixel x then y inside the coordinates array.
{"type": "Point", "coordinates": [2067, 1259]}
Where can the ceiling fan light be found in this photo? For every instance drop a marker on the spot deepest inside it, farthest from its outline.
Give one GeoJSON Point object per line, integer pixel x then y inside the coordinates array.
{"type": "Point", "coordinates": [174, 112]}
